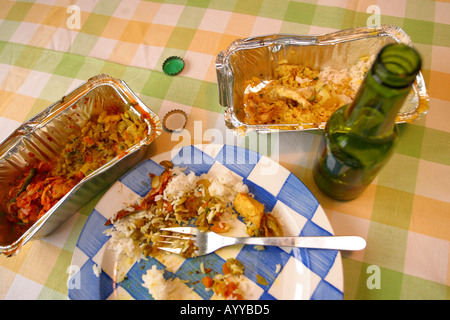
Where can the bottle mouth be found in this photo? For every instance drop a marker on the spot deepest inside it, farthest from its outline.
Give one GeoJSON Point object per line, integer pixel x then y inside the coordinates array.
{"type": "Point", "coordinates": [397, 65]}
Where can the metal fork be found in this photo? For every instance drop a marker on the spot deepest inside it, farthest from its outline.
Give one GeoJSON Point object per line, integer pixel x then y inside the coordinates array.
{"type": "Point", "coordinates": [207, 242]}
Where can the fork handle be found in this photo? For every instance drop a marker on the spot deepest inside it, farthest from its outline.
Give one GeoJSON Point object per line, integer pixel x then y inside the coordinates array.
{"type": "Point", "coordinates": [319, 242]}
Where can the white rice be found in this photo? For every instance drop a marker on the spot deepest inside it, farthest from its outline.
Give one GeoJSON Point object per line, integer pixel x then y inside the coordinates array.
{"type": "Point", "coordinates": [162, 289]}
{"type": "Point", "coordinates": [157, 286]}
{"type": "Point", "coordinates": [355, 74]}
{"type": "Point", "coordinates": [277, 268]}
{"type": "Point", "coordinates": [225, 187]}
{"type": "Point", "coordinates": [96, 269]}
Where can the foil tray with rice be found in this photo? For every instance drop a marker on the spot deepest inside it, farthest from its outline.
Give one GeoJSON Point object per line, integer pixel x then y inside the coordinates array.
{"type": "Point", "coordinates": [285, 82]}
{"type": "Point", "coordinates": [57, 161]}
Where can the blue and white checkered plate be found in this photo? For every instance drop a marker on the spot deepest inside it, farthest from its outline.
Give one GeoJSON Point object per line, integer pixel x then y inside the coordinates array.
{"type": "Point", "coordinates": [290, 273]}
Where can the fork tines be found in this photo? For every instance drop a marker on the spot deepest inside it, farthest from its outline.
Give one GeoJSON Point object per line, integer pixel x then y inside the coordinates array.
{"type": "Point", "coordinates": [170, 236]}
{"type": "Point", "coordinates": [182, 230]}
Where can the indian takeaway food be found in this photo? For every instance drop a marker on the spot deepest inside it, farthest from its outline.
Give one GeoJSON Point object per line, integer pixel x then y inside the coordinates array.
{"type": "Point", "coordinates": [230, 284]}
{"type": "Point", "coordinates": [301, 95]}
{"type": "Point", "coordinates": [178, 198]}
{"type": "Point", "coordinates": [45, 182]}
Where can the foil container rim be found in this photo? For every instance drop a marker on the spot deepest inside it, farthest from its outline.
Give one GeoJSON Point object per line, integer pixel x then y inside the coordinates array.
{"type": "Point", "coordinates": [224, 72]}
{"type": "Point", "coordinates": [53, 110]}
{"type": "Point", "coordinates": [40, 118]}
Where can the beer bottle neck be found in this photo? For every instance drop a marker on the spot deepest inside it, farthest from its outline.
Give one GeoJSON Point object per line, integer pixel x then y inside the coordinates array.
{"type": "Point", "coordinates": [383, 91]}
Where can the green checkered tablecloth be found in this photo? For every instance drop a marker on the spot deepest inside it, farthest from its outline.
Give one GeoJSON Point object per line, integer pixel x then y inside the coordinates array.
{"type": "Point", "coordinates": [49, 47]}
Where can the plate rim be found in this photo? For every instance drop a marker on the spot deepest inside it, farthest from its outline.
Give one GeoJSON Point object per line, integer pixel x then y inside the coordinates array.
{"type": "Point", "coordinates": [78, 257]}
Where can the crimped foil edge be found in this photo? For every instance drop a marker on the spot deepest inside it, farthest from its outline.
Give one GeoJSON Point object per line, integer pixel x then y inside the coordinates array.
{"type": "Point", "coordinates": [226, 74]}
{"type": "Point", "coordinates": [95, 181]}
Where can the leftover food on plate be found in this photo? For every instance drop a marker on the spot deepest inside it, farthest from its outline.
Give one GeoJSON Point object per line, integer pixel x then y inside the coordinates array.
{"type": "Point", "coordinates": [300, 95]}
{"type": "Point", "coordinates": [36, 190]}
{"type": "Point", "coordinates": [230, 284]}
{"type": "Point", "coordinates": [178, 198]}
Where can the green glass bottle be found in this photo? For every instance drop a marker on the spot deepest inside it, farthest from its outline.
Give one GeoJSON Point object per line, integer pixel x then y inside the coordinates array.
{"type": "Point", "coordinates": [360, 137]}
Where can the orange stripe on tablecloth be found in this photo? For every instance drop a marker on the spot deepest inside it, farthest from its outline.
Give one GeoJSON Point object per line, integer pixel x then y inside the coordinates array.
{"type": "Point", "coordinates": [14, 79]}
{"type": "Point", "coordinates": [135, 32]}
{"type": "Point", "coordinates": [124, 53]}
{"type": "Point", "coordinates": [438, 115]}
{"type": "Point", "coordinates": [205, 42]}
{"type": "Point", "coordinates": [146, 11]}
{"type": "Point", "coordinates": [114, 28]}
{"type": "Point", "coordinates": [37, 13]}
{"type": "Point", "coordinates": [39, 262]}
{"type": "Point", "coordinates": [240, 25]}
{"type": "Point", "coordinates": [430, 182]}
{"type": "Point", "coordinates": [211, 74]}
{"type": "Point", "coordinates": [158, 35]}
{"type": "Point", "coordinates": [5, 100]}
{"type": "Point", "coordinates": [4, 10]}
{"type": "Point", "coordinates": [438, 87]}
{"type": "Point", "coordinates": [225, 41]}
{"type": "Point", "coordinates": [56, 16]}
{"type": "Point", "coordinates": [7, 277]}
{"type": "Point", "coordinates": [18, 107]}
{"type": "Point", "coordinates": [361, 207]}
{"type": "Point", "coordinates": [15, 263]}
{"type": "Point", "coordinates": [43, 36]}
{"type": "Point", "coordinates": [430, 217]}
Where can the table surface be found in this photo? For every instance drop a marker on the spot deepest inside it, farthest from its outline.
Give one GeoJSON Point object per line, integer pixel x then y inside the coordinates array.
{"type": "Point", "coordinates": [49, 47]}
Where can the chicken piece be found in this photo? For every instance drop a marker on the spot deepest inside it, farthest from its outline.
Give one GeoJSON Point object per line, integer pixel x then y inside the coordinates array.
{"type": "Point", "coordinates": [281, 92]}
{"type": "Point", "coordinates": [249, 208]}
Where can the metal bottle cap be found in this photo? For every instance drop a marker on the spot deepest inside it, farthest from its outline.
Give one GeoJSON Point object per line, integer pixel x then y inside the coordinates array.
{"type": "Point", "coordinates": [173, 65]}
{"type": "Point", "coordinates": [174, 121]}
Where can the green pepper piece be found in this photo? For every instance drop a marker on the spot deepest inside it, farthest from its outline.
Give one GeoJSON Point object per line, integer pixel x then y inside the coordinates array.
{"type": "Point", "coordinates": [25, 184]}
